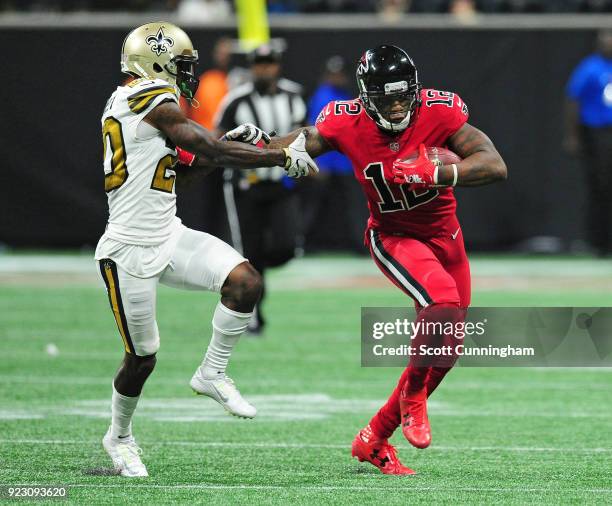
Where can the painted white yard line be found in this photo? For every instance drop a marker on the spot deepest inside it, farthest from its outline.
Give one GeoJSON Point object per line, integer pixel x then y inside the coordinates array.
{"type": "Point", "coordinates": [229, 444]}
{"type": "Point", "coordinates": [356, 488]}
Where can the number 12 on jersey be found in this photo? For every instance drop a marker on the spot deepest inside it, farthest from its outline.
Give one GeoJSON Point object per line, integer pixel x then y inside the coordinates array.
{"type": "Point", "coordinates": [388, 203]}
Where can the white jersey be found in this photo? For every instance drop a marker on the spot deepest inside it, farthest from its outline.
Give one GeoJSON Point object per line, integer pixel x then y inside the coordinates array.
{"type": "Point", "coordinates": [138, 178]}
{"type": "Point", "coordinates": [138, 161]}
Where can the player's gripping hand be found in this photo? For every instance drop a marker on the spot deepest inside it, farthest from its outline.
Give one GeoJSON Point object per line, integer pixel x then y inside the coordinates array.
{"type": "Point", "coordinates": [420, 173]}
{"type": "Point", "coordinates": [248, 133]}
{"type": "Point", "coordinates": [298, 162]}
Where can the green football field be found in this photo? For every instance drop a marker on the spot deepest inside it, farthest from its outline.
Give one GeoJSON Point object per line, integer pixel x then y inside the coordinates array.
{"type": "Point", "coordinates": [503, 435]}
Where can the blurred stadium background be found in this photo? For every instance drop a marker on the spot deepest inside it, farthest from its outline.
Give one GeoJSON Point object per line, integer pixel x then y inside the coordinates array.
{"type": "Point", "coordinates": [512, 436]}
{"type": "Point", "coordinates": [510, 69]}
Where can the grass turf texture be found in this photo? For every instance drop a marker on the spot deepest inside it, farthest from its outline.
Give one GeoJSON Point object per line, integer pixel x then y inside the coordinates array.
{"type": "Point", "coordinates": [499, 435]}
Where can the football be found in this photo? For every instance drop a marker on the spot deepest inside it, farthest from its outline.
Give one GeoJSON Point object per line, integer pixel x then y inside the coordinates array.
{"type": "Point", "coordinates": [446, 156]}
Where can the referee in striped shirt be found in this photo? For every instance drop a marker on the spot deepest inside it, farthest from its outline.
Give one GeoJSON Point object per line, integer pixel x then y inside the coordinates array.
{"type": "Point", "coordinates": [262, 205]}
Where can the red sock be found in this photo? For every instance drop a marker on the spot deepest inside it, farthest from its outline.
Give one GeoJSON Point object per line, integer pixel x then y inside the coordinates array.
{"type": "Point", "coordinates": [413, 379]}
{"type": "Point", "coordinates": [387, 419]}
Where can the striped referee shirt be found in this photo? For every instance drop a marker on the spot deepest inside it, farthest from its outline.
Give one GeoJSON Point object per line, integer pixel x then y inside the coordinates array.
{"type": "Point", "coordinates": [283, 111]}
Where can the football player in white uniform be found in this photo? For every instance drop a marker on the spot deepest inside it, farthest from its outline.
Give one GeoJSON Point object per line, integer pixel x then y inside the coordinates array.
{"type": "Point", "coordinates": [145, 243]}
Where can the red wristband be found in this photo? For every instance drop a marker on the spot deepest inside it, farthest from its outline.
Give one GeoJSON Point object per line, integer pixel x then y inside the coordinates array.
{"type": "Point", "coordinates": [185, 157]}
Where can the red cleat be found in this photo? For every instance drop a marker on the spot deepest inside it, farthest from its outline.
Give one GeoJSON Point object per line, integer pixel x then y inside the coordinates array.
{"type": "Point", "coordinates": [379, 453]}
{"type": "Point", "coordinates": [415, 424]}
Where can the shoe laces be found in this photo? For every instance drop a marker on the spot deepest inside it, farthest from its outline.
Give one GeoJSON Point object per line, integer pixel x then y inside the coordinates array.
{"type": "Point", "coordinates": [226, 385]}
{"type": "Point", "coordinates": [130, 451]}
{"type": "Point", "coordinates": [390, 451]}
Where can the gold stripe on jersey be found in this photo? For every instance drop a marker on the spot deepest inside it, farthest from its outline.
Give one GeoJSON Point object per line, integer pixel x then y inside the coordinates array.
{"type": "Point", "coordinates": [117, 307]}
{"type": "Point", "coordinates": [138, 102]}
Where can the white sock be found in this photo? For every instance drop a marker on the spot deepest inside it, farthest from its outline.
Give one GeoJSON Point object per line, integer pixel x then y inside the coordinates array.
{"type": "Point", "coordinates": [122, 410]}
{"type": "Point", "coordinates": [228, 326]}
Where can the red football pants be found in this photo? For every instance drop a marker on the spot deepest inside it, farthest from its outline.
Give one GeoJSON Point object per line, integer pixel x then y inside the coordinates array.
{"type": "Point", "coordinates": [431, 271]}
{"type": "Point", "coordinates": [435, 272]}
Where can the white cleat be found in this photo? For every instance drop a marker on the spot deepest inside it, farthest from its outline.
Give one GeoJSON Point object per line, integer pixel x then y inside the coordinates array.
{"type": "Point", "coordinates": [223, 391]}
{"type": "Point", "coordinates": [125, 454]}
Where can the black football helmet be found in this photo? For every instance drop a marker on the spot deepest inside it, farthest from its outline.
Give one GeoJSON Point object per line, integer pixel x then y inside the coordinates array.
{"type": "Point", "coordinates": [389, 87]}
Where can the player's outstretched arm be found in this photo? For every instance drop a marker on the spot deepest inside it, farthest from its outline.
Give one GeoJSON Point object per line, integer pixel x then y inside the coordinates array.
{"type": "Point", "coordinates": [316, 145]}
{"type": "Point", "coordinates": [481, 164]}
{"type": "Point", "coordinates": [168, 118]}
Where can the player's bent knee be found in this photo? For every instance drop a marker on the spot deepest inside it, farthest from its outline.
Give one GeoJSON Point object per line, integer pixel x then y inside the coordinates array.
{"type": "Point", "coordinates": [243, 285]}
{"type": "Point", "coordinates": [133, 374]}
{"type": "Point", "coordinates": [140, 366]}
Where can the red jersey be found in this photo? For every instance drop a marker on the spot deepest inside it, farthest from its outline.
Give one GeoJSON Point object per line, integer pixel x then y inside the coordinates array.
{"type": "Point", "coordinates": [346, 126]}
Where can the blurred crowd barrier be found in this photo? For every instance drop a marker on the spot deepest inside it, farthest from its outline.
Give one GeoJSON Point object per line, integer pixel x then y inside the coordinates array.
{"type": "Point", "coordinates": [512, 76]}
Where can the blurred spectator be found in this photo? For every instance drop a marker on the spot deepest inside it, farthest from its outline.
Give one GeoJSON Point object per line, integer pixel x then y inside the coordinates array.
{"type": "Point", "coordinates": [88, 5]}
{"type": "Point", "coordinates": [281, 6]}
{"type": "Point", "coordinates": [589, 133]}
{"type": "Point", "coordinates": [213, 85]}
{"type": "Point", "coordinates": [262, 206]}
{"type": "Point", "coordinates": [333, 209]}
{"type": "Point", "coordinates": [392, 10]}
{"type": "Point", "coordinates": [207, 10]}
{"type": "Point", "coordinates": [464, 10]}
{"type": "Point", "coordinates": [203, 10]}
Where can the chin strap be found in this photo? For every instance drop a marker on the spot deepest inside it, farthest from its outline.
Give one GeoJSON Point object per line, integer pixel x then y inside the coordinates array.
{"type": "Point", "coordinates": [391, 127]}
{"type": "Point", "coordinates": [188, 95]}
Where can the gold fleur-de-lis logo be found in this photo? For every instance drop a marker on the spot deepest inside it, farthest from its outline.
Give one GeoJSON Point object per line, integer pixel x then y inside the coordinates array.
{"type": "Point", "coordinates": [159, 42]}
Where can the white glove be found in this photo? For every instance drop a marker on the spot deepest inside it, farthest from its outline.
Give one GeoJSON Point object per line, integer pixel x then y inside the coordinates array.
{"type": "Point", "coordinates": [299, 163]}
{"type": "Point", "coordinates": [248, 133]}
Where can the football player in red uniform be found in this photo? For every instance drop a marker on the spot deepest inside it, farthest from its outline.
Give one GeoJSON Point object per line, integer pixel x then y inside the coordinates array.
{"type": "Point", "coordinates": [413, 232]}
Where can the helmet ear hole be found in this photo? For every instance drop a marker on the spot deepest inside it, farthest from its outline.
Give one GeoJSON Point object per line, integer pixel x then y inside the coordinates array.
{"type": "Point", "coordinates": [157, 67]}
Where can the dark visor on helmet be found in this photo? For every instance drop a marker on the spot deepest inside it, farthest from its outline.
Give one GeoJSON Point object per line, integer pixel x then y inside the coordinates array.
{"type": "Point", "coordinates": [186, 80]}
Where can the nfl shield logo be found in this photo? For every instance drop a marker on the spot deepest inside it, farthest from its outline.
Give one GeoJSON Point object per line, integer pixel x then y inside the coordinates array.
{"type": "Point", "coordinates": [394, 146]}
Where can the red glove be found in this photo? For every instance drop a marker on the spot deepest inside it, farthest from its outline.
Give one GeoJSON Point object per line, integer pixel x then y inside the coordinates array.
{"type": "Point", "coordinates": [421, 173]}
{"type": "Point", "coordinates": [185, 157]}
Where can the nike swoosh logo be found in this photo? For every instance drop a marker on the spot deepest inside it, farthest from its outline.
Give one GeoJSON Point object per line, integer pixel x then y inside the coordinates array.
{"type": "Point", "coordinates": [220, 393]}
{"type": "Point", "coordinates": [454, 236]}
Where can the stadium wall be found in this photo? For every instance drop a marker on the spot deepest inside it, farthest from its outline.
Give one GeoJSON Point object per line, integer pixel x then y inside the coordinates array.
{"type": "Point", "coordinates": [58, 79]}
